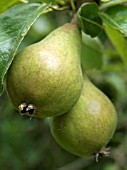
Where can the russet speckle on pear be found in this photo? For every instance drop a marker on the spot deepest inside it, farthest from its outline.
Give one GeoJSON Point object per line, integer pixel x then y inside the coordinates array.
{"type": "Point", "coordinates": [88, 126]}
{"type": "Point", "coordinates": [48, 74]}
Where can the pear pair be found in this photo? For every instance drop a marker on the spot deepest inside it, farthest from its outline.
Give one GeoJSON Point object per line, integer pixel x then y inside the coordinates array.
{"type": "Point", "coordinates": [45, 79]}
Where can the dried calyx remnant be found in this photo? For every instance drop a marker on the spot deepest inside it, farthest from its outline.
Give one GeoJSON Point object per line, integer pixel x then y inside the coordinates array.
{"type": "Point", "coordinates": [103, 152]}
{"type": "Point", "coordinates": [24, 108]}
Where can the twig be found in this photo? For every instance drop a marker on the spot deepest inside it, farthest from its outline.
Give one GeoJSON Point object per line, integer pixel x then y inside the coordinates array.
{"type": "Point", "coordinates": [78, 164]}
{"type": "Point", "coordinates": [73, 5]}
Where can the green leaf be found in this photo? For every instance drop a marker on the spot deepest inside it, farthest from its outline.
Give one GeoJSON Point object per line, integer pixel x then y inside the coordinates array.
{"type": "Point", "coordinates": [14, 24]}
{"type": "Point", "coordinates": [111, 3]}
{"type": "Point", "coordinates": [118, 82]}
{"type": "Point", "coordinates": [117, 18]}
{"type": "Point", "coordinates": [4, 5]}
{"type": "Point", "coordinates": [113, 67]}
{"type": "Point", "coordinates": [118, 41]}
{"type": "Point", "coordinates": [91, 56]}
{"type": "Point", "coordinates": [42, 1]}
{"type": "Point", "coordinates": [89, 19]}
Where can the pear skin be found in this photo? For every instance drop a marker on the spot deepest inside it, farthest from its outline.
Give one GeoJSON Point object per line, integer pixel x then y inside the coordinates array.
{"type": "Point", "coordinates": [88, 126]}
{"type": "Point", "coordinates": [48, 74]}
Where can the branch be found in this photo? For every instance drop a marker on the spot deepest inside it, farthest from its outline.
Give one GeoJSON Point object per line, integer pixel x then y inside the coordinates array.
{"type": "Point", "coordinates": [78, 164]}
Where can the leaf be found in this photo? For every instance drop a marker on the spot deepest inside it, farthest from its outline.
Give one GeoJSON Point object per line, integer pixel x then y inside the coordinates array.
{"type": "Point", "coordinates": [111, 3]}
{"type": "Point", "coordinates": [91, 56]}
{"type": "Point", "coordinates": [105, 0]}
{"type": "Point", "coordinates": [113, 67]}
{"type": "Point", "coordinates": [42, 1]}
{"type": "Point", "coordinates": [118, 82]}
{"type": "Point", "coordinates": [14, 24]}
{"type": "Point", "coordinates": [118, 41]}
{"type": "Point", "coordinates": [117, 18]}
{"type": "Point", "coordinates": [4, 5]}
{"type": "Point", "coordinates": [89, 19]}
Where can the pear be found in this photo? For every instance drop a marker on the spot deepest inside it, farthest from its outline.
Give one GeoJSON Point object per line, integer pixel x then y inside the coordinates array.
{"type": "Point", "coordinates": [45, 79]}
{"type": "Point", "coordinates": [88, 126]}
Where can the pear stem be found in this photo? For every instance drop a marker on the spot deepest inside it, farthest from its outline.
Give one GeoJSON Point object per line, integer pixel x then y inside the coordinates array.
{"type": "Point", "coordinates": [74, 20]}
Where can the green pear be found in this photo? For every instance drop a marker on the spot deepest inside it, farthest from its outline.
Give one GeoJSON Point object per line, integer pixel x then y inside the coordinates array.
{"type": "Point", "coordinates": [47, 75]}
{"type": "Point", "coordinates": [88, 126]}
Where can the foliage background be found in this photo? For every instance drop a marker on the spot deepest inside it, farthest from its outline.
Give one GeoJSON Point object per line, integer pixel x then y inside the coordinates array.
{"type": "Point", "coordinates": [28, 145]}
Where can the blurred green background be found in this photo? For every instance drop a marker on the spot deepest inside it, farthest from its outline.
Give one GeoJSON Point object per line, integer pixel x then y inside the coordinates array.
{"type": "Point", "coordinates": [28, 145]}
